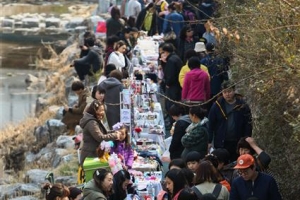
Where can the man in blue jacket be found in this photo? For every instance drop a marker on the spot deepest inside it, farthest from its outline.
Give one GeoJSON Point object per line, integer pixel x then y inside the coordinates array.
{"type": "Point", "coordinates": [229, 120]}
{"type": "Point", "coordinates": [252, 184]}
{"type": "Point", "coordinates": [173, 21]}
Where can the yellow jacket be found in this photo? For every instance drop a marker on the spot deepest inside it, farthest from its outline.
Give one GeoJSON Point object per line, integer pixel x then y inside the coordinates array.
{"type": "Point", "coordinates": [185, 69]}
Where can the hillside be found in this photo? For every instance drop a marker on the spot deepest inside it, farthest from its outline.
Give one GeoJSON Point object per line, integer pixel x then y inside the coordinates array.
{"type": "Point", "coordinates": [265, 64]}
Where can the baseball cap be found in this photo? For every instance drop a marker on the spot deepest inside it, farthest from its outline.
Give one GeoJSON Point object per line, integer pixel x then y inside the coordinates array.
{"type": "Point", "coordinates": [244, 161]}
{"type": "Point", "coordinates": [210, 47]}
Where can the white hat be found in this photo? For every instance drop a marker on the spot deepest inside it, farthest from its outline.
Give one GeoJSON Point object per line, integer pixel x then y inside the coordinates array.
{"type": "Point", "coordinates": [200, 47]}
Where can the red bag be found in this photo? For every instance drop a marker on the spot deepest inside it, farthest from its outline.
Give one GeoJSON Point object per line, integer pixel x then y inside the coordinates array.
{"type": "Point", "coordinates": [101, 27]}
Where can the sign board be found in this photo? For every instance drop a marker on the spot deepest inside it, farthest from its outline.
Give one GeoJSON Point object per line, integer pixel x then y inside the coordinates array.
{"type": "Point", "coordinates": [125, 115]}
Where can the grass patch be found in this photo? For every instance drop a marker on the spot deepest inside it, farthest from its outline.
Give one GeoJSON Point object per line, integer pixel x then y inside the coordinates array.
{"type": "Point", "coordinates": [67, 169]}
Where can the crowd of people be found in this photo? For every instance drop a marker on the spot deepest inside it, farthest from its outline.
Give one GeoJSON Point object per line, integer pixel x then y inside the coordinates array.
{"type": "Point", "coordinates": [212, 152]}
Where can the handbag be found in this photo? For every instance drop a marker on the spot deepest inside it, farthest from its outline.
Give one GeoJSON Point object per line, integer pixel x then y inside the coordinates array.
{"type": "Point", "coordinates": [170, 35]}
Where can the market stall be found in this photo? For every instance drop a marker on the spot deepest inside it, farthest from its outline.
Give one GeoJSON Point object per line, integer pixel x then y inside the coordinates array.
{"type": "Point", "coordinates": [143, 114]}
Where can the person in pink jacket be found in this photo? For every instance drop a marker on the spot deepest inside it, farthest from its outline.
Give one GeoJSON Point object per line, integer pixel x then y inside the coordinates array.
{"type": "Point", "coordinates": [196, 84]}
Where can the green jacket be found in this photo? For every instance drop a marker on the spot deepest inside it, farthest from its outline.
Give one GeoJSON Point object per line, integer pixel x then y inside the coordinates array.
{"type": "Point", "coordinates": [195, 139]}
{"type": "Point", "coordinates": [92, 192]}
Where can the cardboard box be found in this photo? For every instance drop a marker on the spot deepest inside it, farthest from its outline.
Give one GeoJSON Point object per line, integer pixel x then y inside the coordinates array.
{"type": "Point", "coordinates": [90, 165]}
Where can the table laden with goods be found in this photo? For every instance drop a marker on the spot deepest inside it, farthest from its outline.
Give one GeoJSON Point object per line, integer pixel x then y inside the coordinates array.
{"type": "Point", "coordinates": [141, 111]}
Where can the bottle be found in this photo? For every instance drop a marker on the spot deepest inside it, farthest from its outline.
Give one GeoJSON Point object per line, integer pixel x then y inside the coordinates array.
{"type": "Point", "coordinates": [151, 190]}
{"type": "Point", "coordinates": [135, 61]}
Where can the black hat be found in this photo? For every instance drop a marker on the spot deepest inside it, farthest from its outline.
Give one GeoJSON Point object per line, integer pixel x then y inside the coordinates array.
{"type": "Point", "coordinates": [193, 156]}
{"type": "Point", "coordinates": [210, 46]}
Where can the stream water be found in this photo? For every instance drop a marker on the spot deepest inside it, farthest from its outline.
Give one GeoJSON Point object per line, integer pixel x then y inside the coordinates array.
{"type": "Point", "coordinates": [16, 102]}
{"type": "Point", "coordinates": [16, 57]}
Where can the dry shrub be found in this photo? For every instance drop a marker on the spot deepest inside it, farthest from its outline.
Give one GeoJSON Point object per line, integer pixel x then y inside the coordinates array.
{"type": "Point", "coordinates": [20, 132]}
{"type": "Point", "coordinates": [266, 66]}
{"type": "Point", "coordinates": [16, 139]}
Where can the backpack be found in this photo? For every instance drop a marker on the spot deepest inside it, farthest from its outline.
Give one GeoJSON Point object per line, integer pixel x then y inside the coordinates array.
{"type": "Point", "coordinates": [216, 191]}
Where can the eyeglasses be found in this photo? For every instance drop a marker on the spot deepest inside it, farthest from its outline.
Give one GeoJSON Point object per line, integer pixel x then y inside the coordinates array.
{"type": "Point", "coordinates": [243, 171]}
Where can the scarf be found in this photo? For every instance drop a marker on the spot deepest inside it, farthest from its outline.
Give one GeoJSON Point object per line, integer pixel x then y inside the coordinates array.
{"type": "Point", "coordinates": [176, 196]}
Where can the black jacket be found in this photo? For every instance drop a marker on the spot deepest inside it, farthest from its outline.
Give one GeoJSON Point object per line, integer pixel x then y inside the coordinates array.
{"type": "Point", "coordinates": [176, 147]}
{"type": "Point", "coordinates": [171, 73]}
{"type": "Point", "coordinates": [172, 69]}
{"type": "Point", "coordinates": [93, 57]}
{"type": "Point", "coordinates": [218, 121]}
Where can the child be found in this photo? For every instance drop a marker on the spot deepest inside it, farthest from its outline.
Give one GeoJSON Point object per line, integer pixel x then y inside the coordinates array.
{"type": "Point", "coordinates": [122, 147]}
{"type": "Point", "coordinates": [193, 160]}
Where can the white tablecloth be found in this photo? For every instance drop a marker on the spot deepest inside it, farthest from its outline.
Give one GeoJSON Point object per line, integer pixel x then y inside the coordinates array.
{"type": "Point", "coordinates": [145, 167]}
{"type": "Point", "coordinates": [157, 138]}
{"type": "Point", "coordinates": [142, 185]}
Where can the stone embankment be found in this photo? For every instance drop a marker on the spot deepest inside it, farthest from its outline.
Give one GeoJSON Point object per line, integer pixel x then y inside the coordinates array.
{"type": "Point", "coordinates": [46, 148]}
{"type": "Point", "coordinates": [37, 149]}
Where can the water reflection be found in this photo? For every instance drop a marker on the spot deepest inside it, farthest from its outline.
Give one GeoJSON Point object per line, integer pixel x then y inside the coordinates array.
{"type": "Point", "coordinates": [15, 55]}
{"type": "Point", "coordinates": [16, 101]}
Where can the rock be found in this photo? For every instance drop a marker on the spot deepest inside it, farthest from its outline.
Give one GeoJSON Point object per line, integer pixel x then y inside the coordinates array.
{"type": "Point", "coordinates": [8, 191]}
{"type": "Point", "coordinates": [41, 133]}
{"type": "Point", "coordinates": [31, 79]}
{"type": "Point", "coordinates": [57, 157]}
{"type": "Point", "coordinates": [30, 188]}
{"type": "Point", "coordinates": [54, 108]}
{"type": "Point", "coordinates": [46, 157]}
{"type": "Point", "coordinates": [67, 158]}
{"type": "Point", "coordinates": [59, 113]}
{"type": "Point", "coordinates": [56, 128]}
{"type": "Point", "coordinates": [14, 190]}
{"type": "Point", "coordinates": [65, 142]}
{"type": "Point", "coordinates": [66, 180]}
{"type": "Point", "coordinates": [39, 86]}
{"type": "Point", "coordinates": [36, 176]}
{"type": "Point", "coordinates": [40, 104]}
{"type": "Point", "coordinates": [30, 157]}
